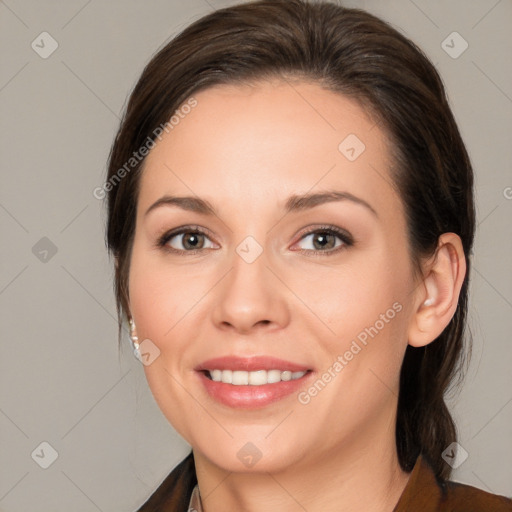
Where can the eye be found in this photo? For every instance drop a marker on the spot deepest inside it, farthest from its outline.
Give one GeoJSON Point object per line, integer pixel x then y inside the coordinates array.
{"type": "Point", "coordinates": [324, 240]}
{"type": "Point", "coordinates": [188, 239]}
{"type": "Point", "coordinates": [327, 240]}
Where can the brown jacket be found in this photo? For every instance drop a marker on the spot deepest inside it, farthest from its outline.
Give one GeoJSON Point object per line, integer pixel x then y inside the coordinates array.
{"type": "Point", "coordinates": [423, 493]}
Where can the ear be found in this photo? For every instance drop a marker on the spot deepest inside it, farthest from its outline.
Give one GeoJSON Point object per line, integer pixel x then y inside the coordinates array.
{"type": "Point", "coordinates": [436, 299]}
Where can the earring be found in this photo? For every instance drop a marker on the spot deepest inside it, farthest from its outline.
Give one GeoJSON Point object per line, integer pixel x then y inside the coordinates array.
{"type": "Point", "coordinates": [428, 302]}
{"type": "Point", "coordinates": [135, 340]}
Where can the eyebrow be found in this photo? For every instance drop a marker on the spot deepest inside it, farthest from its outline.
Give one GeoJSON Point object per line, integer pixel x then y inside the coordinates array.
{"type": "Point", "coordinates": [295, 202]}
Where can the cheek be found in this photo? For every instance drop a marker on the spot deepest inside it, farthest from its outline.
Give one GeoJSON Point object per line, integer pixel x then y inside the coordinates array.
{"type": "Point", "coordinates": [363, 307]}
{"type": "Point", "coordinates": [352, 296]}
{"type": "Point", "coordinates": [164, 303]}
{"type": "Point", "coordinates": [161, 295]}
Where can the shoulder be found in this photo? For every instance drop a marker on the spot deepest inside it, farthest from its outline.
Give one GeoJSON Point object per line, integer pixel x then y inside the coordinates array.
{"type": "Point", "coordinates": [173, 494]}
{"type": "Point", "coordinates": [427, 493]}
{"type": "Point", "coordinates": [465, 498]}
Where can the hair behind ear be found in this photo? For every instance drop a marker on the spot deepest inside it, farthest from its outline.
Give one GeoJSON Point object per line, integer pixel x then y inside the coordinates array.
{"type": "Point", "coordinates": [424, 423]}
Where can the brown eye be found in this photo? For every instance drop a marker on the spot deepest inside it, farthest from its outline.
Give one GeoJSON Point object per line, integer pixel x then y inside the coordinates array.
{"type": "Point", "coordinates": [192, 240]}
{"type": "Point", "coordinates": [185, 240]}
{"type": "Point", "coordinates": [325, 240]}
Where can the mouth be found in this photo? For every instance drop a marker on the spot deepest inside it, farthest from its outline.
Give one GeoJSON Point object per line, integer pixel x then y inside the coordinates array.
{"type": "Point", "coordinates": [251, 382]}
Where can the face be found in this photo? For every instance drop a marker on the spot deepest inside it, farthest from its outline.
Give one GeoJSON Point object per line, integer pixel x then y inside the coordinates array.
{"type": "Point", "coordinates": [285, 277]}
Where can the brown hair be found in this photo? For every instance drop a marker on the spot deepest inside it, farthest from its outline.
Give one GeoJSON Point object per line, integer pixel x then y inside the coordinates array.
{"type": "Point", "coordinates": [356, 54]}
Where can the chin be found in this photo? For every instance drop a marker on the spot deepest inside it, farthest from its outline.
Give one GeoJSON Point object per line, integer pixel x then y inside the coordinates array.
{"type": "Point", "coordinates": [246, 456]}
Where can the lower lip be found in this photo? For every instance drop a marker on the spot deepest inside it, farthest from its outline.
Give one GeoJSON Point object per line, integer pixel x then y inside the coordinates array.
{"type": "Point", "coordinates": [251, 397]}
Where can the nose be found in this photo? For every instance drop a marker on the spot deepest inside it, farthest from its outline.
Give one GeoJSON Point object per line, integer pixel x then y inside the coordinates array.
{"type": "Point", "coordinates": [251, 297]}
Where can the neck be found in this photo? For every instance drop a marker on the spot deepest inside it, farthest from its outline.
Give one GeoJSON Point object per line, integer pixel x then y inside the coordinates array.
{"type": "Point", "coordinates": [364, 476]}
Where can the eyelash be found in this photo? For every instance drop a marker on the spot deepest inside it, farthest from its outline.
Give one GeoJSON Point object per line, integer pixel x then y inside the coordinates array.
{"type": "Point", "coordinates": [344, 236]}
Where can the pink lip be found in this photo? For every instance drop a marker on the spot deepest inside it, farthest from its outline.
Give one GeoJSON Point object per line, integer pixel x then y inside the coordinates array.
{"type": "Point", "coordinates": [250, 364]}
{"type": "Point", "coordinates": [251, 397]}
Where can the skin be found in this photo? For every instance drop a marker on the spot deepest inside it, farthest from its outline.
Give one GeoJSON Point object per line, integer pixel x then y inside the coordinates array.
{"type": "Point", "coordinates": [246, 149]}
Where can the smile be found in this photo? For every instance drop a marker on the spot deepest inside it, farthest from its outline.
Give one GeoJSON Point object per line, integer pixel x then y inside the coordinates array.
{"type": "Point", "coordinates": [253, 378]}
{"type": "Point", "coordinates": [252, 382]}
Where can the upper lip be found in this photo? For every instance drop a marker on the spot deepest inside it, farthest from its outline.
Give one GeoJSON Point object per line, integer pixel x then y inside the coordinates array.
{"type": "Point", "coordinates": [249, 364]}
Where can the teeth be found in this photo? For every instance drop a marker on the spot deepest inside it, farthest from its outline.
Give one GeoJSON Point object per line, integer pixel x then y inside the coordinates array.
{"type": "Point", "coordinates": [257, 378]}
{"type": "Point", "coordinates": [227, 376]}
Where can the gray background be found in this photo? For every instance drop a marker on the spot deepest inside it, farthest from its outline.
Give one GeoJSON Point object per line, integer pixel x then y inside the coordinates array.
{"type": "Point", "coordinates": [61, 378]}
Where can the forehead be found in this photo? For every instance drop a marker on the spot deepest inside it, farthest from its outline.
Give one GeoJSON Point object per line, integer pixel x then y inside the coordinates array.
{"type": "Point", "coordinates": [269, 139]}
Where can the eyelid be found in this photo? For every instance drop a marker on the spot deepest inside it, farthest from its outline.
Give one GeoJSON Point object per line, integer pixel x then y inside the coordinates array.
{"type": "Point", "coordinates": [342, 233]}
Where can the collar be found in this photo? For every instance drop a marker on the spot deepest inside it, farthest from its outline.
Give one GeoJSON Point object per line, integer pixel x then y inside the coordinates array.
{"type": "Point", "coordinates": [195, 504]}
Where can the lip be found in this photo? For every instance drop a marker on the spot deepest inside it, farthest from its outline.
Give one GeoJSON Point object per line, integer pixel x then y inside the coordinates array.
{"type": "Point", "coordinates": [251, 397]}
{"type": "Point", "coordinates": [250, 364]}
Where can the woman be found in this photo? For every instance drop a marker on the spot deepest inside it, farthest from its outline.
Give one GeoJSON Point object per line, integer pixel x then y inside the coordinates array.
{"type": "Point", "coordinates": [291, 215]}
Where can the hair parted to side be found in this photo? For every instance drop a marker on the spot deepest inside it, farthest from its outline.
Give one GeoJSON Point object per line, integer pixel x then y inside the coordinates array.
{"type": "Point", "coordinates": [358, 55]}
